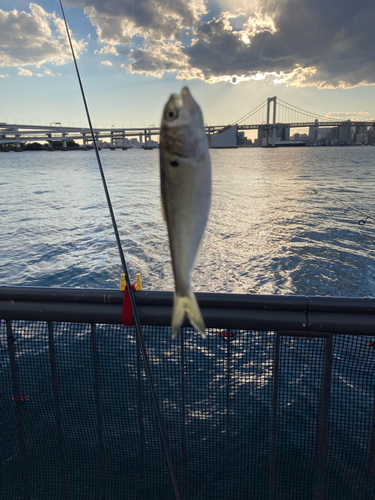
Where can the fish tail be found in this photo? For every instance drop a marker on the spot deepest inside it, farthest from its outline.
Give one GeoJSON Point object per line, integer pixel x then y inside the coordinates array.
{"type": "Point", "coordinates": [187, 304]}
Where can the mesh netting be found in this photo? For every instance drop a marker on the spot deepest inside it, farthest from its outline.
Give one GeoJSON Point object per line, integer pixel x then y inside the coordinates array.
{"type": "Point", "coordinates": [77, 419]}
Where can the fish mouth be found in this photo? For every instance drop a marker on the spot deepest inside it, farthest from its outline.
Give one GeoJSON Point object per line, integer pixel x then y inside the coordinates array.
{"type": "Point", "coordinates": [175, 101]}
{"type": "Point", "coordinates": [184, 100]}
{"type": "Point", "coordinates": [188, 100]}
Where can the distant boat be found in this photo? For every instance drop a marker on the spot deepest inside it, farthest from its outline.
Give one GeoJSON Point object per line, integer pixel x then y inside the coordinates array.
{"type": "Point", "coordinates": [290, 144]}
{"type": "Point", "coordinates": [286, 144]}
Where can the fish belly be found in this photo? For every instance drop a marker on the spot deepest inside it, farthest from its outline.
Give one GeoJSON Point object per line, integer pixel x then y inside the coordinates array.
{"type": "Point", "coordinates": [186, 195]}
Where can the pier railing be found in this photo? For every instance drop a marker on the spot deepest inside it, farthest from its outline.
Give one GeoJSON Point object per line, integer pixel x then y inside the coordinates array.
{"type": "Point", "coordinates": [276, 403]}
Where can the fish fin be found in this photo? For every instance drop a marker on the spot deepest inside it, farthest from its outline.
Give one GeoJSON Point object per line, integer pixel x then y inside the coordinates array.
{"type": "Point", "coordinates": [189, 305]}
{"type": "Point", "coordinates": [163, 211]}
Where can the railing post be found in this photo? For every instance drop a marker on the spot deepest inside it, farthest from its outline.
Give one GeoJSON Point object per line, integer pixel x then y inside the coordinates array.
{"type": "Point", "coordinates": [371, 458]}
{"type": "Point", "coordinates": [274, 438]}
{"type": "Point", "coordinates": [19, 416]}
{"type": "Point", "coordinates": [56, 397]}
{"type": "Point", "coordinates": [140, 416]}
{"type": "Point", "coordinates": [229, 459]}
{"type": "Point", "coordinates": [322, 428]}
{"type": "Point", "coordinates": [99, 417]}
{"type": "Point", "coordinates": [185, 483]}
{"type": "Point", "coordinates": [323, 416]}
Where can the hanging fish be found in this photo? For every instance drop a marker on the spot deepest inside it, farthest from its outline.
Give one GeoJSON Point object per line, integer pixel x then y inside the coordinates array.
{"type": "Point", "coordinates": [185, 175]}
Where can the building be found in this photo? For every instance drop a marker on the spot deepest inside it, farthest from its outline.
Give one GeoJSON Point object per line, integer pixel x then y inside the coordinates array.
{"type": "Point", "coordinates": [345, 133]}
{"type": "Point", "coordinates": [281, 134]}
{"type": "Point", "coordinates": [300, 137]}
{"type": "Point", "coordinates": [362, 138]}
{"type": "Point", "coordinates": [226, 138]}
{"type": "Point", "coordinates": [313, 133]}
{"type": "Point", "coordinates": [262, 137]}
{"type": "Point", "coordinates": [324, 133]}
{"type": "Point", "coordinates": [334, 135]}
{"type": "Point", "coordinates": [242, 139]}
{"type": "Point", "coordinates": [371, 135]}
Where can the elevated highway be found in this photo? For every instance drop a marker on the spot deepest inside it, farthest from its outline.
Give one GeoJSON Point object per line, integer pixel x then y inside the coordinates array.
{"type": "Point", "coordinates": [17, 134]}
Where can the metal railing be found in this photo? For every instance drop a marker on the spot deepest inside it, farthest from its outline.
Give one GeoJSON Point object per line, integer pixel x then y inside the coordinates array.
{"type": "Point", "coordinates": [276, 403]}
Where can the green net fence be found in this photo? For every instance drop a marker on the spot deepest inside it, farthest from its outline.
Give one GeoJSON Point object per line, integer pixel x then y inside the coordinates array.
{"type": "Point", "coordinates": [248, 414]}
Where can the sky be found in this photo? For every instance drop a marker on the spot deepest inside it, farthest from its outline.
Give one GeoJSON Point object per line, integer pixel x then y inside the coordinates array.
{"type": "Point", "coordinates": [232, 54]}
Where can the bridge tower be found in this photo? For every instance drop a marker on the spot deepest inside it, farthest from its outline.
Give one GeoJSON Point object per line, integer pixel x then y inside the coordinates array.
{"type": "Point", "coordinates": [269, 100]}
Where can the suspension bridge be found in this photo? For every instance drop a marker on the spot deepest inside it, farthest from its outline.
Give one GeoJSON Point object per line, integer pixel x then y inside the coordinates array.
{"type": "Point", "coordinates": [269, 117]}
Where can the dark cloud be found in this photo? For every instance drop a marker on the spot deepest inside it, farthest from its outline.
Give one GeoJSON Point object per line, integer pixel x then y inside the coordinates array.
{"type": "Point", "coordinates": [327, 44]}
{"type": "Point", "coordinates": [219, 51]}
{"type": "Point", "coordinates": [159, 58]}
{"type": "Point", "coordinates": [333, 37]}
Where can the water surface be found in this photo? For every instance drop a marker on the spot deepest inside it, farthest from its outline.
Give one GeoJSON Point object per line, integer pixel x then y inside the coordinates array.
{"type": "Point", "coordinates": [267, 233]}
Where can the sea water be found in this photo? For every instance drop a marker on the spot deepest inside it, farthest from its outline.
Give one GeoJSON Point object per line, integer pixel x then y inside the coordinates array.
{"type": "Point", "coordinates": [268, 231]}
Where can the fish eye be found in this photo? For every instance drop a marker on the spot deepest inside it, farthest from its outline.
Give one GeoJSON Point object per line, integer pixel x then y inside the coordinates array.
{"type": "Point", "coordinates": [171, 115]}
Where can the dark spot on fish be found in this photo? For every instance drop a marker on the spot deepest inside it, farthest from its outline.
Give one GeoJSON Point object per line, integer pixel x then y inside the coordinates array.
{"type": "Point", "coordinates": [174, 163]}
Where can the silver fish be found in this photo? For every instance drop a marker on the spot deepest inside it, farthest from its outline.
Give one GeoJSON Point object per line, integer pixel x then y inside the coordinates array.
{"type": "Point", "coordinates": [185, 174]}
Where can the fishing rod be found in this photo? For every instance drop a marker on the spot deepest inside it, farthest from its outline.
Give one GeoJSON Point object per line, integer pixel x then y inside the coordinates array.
{"type": "Point", "coordinates": [138, 328]}
{"type": "Point", "coordinates": [348, 208]}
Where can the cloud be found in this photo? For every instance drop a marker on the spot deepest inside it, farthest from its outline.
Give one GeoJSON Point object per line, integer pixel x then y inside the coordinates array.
{"type": "Point", "coordinates": [107, 50]}
{"type": "Point", "coordinates": [3, 76]}
{"type": "Point", "coordinates": [160, 57]}
{"type": "Point", "coordinates": [344, 113]}
{"type": "Point", "coordinates": [107, 63]}
{"type": "Point", "coordinates": [24, 72]}
{"type": "Point", "coordinates": [34, 39]}
{"type": "Point", "coordinates": [217, 52]}
{"type": "Point", "coordinates": [291, 42]}
{"type": "Point", "coordinates": [326, 44]}
{"type": "Point", "coordinates": [118, 21]}
{"type": "Point", "coordinates": [297, 43]}
{"type": "Point", "coordinates": [27, 72]}
{"type": "Point", "coordinates": [350, 115]}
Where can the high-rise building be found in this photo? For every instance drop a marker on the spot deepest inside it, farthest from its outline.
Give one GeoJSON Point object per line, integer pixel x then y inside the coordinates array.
{"type": "Point", "coordinates": [362, 138]}
{"type": "Point", "coordinates": [313, 132]}
{"type": "Point", "coordinates": [285, 133]}
{"type": "Point", "coordinates": [334, 135]}
{"type": "Point", "coordinates": [241, 139]}
{"type": "Point", "coordinates": [262, 137]}
{"type": "Point", "coordinates": [345, 133]}
{"type": "Point", "coordinates": [324, 133]}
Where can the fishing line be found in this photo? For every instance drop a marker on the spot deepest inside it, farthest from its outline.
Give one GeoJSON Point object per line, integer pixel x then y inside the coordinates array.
{"type": "Point", "coordinates": [361, 222]}
{"type": "Point", "coordinates": [128, 283]}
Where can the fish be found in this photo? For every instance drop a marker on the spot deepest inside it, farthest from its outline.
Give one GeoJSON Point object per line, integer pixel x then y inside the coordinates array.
{"type": "Point", "coordinates": [185, 181]}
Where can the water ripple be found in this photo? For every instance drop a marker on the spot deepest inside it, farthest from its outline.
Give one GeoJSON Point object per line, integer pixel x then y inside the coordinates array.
{"type": "Point", "coordinates": [267, 233]}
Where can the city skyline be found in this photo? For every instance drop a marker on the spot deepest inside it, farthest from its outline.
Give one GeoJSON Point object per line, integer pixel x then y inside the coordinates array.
{"type": "Point", "coordinates": [232, 55]}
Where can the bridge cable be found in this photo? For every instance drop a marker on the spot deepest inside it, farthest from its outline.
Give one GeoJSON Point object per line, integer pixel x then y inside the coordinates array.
{"type": "Point", "coordinates": [308, 113]}
{"type": "Point", "coordinates": [140, 337]}
{"type": "Point", "coordinates": [250, 113]}
{"type": "Point", "coordinates": [302, 111]}
{"type": "Point", "coordinates": [296, 115]}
